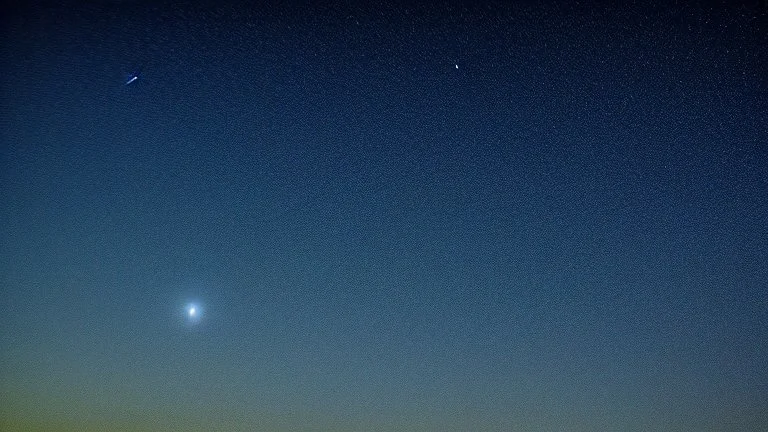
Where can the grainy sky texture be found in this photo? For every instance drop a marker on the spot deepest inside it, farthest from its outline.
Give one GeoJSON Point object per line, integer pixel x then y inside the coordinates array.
{"type": "Point", "coordinates": [541, 216]}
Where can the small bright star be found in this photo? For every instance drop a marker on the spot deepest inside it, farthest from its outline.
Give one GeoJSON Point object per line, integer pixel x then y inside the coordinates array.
{"type": "Point", "coordinates": [193, 312]}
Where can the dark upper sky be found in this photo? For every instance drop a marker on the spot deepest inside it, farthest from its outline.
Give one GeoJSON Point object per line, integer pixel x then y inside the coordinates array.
{"type": "Point", "coordinates": [446, 217]}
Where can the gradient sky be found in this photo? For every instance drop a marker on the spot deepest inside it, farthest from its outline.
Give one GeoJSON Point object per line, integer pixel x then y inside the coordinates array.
{"type": "Point", "coordinates": [535, 217]}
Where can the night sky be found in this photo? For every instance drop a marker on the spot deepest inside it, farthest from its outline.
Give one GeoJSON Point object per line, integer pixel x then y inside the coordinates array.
{"type": "Point", "coordinates": [537, 216]}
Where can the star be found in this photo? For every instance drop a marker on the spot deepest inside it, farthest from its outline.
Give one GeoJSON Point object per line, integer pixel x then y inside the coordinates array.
{"type": "Point", "coordinates": [193, 312]}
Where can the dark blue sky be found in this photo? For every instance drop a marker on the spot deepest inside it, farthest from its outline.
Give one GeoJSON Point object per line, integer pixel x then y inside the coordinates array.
{"type": "Point", "coordinates": [445, 217]}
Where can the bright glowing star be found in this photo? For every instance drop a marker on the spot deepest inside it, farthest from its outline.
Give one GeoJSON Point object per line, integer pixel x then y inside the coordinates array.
{"type": "Point", "coordinates": [193, 312]}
